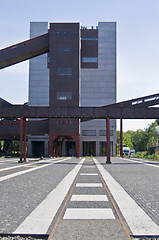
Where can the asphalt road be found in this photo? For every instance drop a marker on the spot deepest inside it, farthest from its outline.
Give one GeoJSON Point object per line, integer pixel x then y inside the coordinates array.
{"type": "Point", "coordinates": [68, 197]}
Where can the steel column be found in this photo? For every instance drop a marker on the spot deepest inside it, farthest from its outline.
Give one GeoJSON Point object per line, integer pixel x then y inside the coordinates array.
{"type": "Point", "coordinates": [25, 139]}
{"type": "Point", "coordinates": [53, 148]}
{"type": "Point", "coordinates": [50, 145]}
{"type": "Point", "coordinates": [108, 140]}
{"type": "Point", "coordinates": [78, 145]}
{"type": "Point", "coordinates": [121, 137]}
{"type": "Point", "coordinates": [21, 139]}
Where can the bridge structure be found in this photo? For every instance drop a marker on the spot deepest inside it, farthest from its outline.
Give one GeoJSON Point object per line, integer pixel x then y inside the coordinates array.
{"type": "Point", "coordinates": [138, 108]}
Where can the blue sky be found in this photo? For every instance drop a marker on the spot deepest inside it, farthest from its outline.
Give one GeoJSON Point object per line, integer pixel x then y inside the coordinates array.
{"type": "Point", "coordinates": [137, 42]}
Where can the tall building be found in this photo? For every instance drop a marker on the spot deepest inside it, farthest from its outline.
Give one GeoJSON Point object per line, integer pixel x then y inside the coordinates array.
{"type": "Point", "coordinates": [80, 70]}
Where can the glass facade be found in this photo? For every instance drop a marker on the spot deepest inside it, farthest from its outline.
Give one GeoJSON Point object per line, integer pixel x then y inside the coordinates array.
{"type": "Point", "coordinates": [90, 59]}
{"type": "Point", "coordinates": [103, 132]}
{"type": "Point", "coordinates": [92, 39]}
{"type": "Point", "coordinates": [89, 132]}
{"type": "Point", "coordinates": [89, 148]}
{"type": "Point", "coordinates": [103, 148]}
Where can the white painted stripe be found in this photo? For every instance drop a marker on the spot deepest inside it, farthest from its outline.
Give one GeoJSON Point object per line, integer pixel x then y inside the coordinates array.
{"type": "Point", "coordinates": [28, 170]}
{"type": "Point", "coordinates": [89, 166]}
{"type": "Point", "coordinates": [40, 219]}
{"type": "Point", "coordinates": [6, 161]}
{"type": "Point", "coordinates": [89, 174]}
{"type": "Point", "coordinates": [28, 164]}
{"type": "Point", "coordinates": [19, 166]}
{"type": "Point", "coordinates": [89, 213]}
{"type": "Point", "coordinates": [90, 198]}
{"type": "Point", "coordinates": [139, 222]}
{"type": "Point", "coordinates": [144, 162]}
{"type": "Point", "coordinates": [89, 185]}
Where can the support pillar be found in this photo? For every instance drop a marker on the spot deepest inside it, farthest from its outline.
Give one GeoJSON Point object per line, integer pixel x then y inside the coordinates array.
{"type": "Point", "coordinates": [50, 145]}
{"type": "Point", "coordinates": [53, 148]}
{"type": "Point", "coordinates": [108, 140]}
{"type": "Point", "coordinates": [78, 145]}
{"type": "Point", "coordinates": [121, 138]}
{"type": "Point", "coordinates": [61, 149]}
{"type": "Point", "coordinates": [25, 139]}
{"type": "Point", "coordinates": [21, 139]}
{"type": "Point", "coordinates": [76, 138]}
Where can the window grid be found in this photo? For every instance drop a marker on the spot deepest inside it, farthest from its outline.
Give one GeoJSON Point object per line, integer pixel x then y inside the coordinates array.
{"type": "Point", "coordinates": [92, 39]}
{"type": "Point", "coordinates": [89, 132]}
{"type": "Point", "coordinates": [90, 59]}
{"type": "Point", "coordinates": [104, 133]}
{"type": "Point", "coordinates": [64, 96]}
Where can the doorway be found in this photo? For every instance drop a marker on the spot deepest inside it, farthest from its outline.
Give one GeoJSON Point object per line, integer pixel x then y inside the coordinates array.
{"type": "Point", "coordinates": [37, 148]}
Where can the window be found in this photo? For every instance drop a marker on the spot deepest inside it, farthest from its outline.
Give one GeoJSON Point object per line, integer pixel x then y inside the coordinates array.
{"type": "Point", "coordinates": [64, 49]}
{"type": "Point", "coordinates": [90, 59]}
{"type": "Point", "coordinates": [64, 32]}
{"type": "Point", "coordinates": [89, 39]}
{"type": "Point", "coordinates": [64, 71]}
{"type": "Point", "coordinates": [103, 132]}
{"type": "Point", "coordinates": [89, 133]}
{"type": "Point", "coordinates": [103, 148]}
{"type": "Point", "coordinates": [64, 96]}
{"type": "Point", "coordinates": [64, 122]}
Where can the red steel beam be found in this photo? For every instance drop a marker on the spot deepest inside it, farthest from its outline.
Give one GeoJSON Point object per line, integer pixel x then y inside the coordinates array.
{"type": "Point", "coordinates": [21, 139]}
{"type": "Point", "coordinates": [17, 111]}
{"type": "Point", "coordinates": [121, 138]}
{"type": "Point", "coordinates": [25, 139]}
{"type": "Point", "coordinates": [24, 50]}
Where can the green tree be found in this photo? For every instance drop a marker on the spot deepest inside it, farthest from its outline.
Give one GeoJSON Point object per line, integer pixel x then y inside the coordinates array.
{"type": "Point", "coordinates": [138, 139]}
{"type": "Point", "coordinates": [126, 140]}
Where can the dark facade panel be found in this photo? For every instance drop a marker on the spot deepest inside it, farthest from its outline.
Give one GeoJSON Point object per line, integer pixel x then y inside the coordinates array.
{"type": "Point", "coordinates": [9, 129]}
{"type": "Point", "coordinates": [62, 125]}
{"type": "Point", "coordinates": [38, 127]}
{"type": "Point", "coordinates": [64, 64]}
{"type": "Point", "coordinates": [64, 72]}
{"type": "Point", "coordinates": [89, 47]}
{"type": "Point", "coordinates": [4, 102]}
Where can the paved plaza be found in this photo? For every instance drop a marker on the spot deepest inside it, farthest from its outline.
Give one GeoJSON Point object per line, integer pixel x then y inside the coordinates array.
{"type": "Point", "coordinates": [74, 198]}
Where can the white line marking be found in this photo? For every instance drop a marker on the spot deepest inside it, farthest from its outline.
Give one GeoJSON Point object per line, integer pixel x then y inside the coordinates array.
{"type": "Point", "coordinates": [28, 170]}
{"type": "Point", "coordinates": [89, 213]}
{"type": "Point", "coordinates": [6, 161]}
{"type": "Point", "coordinates": [89, 198]}
{"type": "Point", "coordinates": [28, 164]}
{"type": "Point", "coordinates": [89, 185]}
{"type": "Point", "coordinates": [147, 164]}
{"type": "Point", "coordinates": [40, 219]}
{"type": "Point", "coordinates": [89, 166]}
{"type": "Point", "coordinates": [139, 222]}
{"type": "Point", "coordinates": [89, 174]}
{"type": "Point", "coordinates": [19, 166]}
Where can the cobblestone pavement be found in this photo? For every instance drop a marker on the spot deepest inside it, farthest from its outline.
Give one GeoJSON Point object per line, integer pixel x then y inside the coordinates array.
{"type": "Point", "coordinates": [21, 195]}
{"type": "Point", "coordinates": [140, 181]}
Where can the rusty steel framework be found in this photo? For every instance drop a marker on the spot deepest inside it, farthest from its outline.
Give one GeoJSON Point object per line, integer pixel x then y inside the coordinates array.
{"type": "Point", "coordinates": [139, 108]}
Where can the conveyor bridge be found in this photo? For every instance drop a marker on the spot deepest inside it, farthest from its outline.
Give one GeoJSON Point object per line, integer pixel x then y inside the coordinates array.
{"type": "Point", "coordinates": [24, 50]}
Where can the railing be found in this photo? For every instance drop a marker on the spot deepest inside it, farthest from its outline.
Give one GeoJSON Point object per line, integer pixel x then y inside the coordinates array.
{"type": "Point", "coordinates": [89, 27]}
